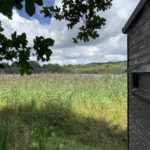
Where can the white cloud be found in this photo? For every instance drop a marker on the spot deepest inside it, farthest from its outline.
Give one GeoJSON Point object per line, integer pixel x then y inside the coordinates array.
{"type": "Point", "coordinates": [111, 46]}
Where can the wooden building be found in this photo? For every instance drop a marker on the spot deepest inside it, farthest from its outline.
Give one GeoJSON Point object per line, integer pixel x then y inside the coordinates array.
{"type": "Point", "coordinates": [137, 29]}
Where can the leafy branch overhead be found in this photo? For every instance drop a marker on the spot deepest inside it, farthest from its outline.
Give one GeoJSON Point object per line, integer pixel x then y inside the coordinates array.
{"type": "Point", "coordinates": [85, 12]}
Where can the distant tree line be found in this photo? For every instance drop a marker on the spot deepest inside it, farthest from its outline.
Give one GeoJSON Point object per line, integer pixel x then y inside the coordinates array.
{"type": "Point", "coordinates": [97, 68]}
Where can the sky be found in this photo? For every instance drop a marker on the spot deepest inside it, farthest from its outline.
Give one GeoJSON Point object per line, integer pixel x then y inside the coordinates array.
{"type": "Point", "coordinates": [110, 46]}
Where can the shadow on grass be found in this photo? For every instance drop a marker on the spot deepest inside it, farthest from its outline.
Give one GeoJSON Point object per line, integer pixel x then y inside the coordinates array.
{"type": "Point", "coordinates": [29, 127]}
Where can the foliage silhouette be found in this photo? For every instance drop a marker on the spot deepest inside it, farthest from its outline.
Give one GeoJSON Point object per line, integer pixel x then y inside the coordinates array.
{"type": "Point", "coordinates": [73, 11]}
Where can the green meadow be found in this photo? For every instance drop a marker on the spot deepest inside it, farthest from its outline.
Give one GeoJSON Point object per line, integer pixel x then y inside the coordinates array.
{"type": "Point", "coordinates": [63, 112]}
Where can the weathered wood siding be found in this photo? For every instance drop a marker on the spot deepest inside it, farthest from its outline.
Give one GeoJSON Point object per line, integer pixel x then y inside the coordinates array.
{"type": "Point", "coordinates": [139, 63]}
{"type": "Point", "coordinates": [139, 124]}
{"type": "Point", "coordinates": [139, 39]}
{"type": "Point", "coordinates": [139, 114]}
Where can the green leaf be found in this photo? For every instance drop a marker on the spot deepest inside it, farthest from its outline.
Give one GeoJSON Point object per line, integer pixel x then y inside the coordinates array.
{"type": "Point", "coordinates": [1, 29]}
{"type": "Point", "coordinates": [18, 4]}
{"type": "Point", "coordinates": [75, 40]}
{"type": "Point", "coordinates": [39, 2]}
{"type": "Point", "coordinates": [1, 66]}
{"type": "Point", "coordinates": [13, 35]}
{"type": "Point", "coordinates": [6, 8]}
{"type": "Point", "coordinates": [30, 7]}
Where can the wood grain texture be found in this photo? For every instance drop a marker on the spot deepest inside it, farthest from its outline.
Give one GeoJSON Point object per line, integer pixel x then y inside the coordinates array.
{"type": "Point", "coordinates": [139, 124]}
{"type": "Point", "coordinates": [139, 39]}
{"type": "Point", "coordinates": [139, 64]}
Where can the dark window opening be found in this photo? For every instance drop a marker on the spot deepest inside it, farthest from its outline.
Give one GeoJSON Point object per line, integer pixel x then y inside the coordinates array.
{"type": "Point", "coordinates": [135, 81]}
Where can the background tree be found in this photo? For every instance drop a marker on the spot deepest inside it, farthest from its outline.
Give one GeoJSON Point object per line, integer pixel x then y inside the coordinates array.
{"type": "Point", "coordinates": [73, 11]}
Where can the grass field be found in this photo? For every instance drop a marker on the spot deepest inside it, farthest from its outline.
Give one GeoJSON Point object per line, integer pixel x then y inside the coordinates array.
{"type": "Point", "coordinates": [63, 112]}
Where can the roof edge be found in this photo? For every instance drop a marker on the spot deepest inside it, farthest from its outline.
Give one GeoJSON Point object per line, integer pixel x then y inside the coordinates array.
{"type": "Point", "coordinates": [134, 14]}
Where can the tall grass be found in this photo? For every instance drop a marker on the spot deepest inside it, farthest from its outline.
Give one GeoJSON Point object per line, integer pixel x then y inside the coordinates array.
{"type": "Point", "coordinates": [68, 112]}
